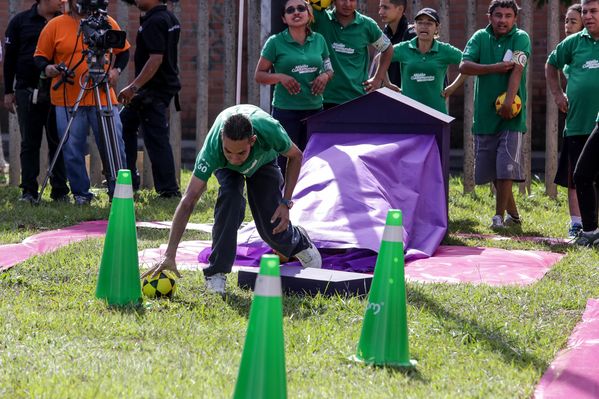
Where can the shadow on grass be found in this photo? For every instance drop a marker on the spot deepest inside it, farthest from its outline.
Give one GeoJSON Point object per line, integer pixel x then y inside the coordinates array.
{"type": "Point", "coordinates": [498, 342]}
{"type": "Point", "coordinates": [131, 309]}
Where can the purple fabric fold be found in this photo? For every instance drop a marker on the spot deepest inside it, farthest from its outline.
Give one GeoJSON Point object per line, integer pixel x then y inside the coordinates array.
{"type": "Point", "coordinates": [347, 184]}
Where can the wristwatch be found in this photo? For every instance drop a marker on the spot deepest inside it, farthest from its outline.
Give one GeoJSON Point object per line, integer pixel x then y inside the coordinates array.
{"type": "Point", "coordinates": [286, 202]}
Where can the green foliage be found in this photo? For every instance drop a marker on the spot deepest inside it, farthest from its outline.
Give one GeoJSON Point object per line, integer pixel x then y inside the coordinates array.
{"type": "Point", "coordinates": [57, 340]}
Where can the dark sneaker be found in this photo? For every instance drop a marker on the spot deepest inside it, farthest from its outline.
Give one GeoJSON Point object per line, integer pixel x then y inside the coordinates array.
{"type": "Point", "coordinates": [497, 222]}
{"type": "Point", "coordinates": [27, 197]}
{"type": "Point", "coordinates": [82, 200]}
{"type": "Point", "coordinates": [309, 257]}
{"type": "Point", "coordinates": [63, 198]}
{"type": "Point", "coordinates": [587, 239]}
{"type": "Point", "coordinates": [170, 194]}
{"type": "Point", "coordinates": [512, 220]}
{"type": "Point", "coordinates": [574, 230]}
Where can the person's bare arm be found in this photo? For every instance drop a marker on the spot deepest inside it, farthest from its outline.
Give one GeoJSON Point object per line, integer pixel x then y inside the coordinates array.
{"type": "Point", "coordinates": [551, 75]}
{"type": "Point", "coordinates": [192, 195]}
{"type": "Point", "coordinates": [473, 68]}
{"type": "Point", "coordinates": [294, 163]}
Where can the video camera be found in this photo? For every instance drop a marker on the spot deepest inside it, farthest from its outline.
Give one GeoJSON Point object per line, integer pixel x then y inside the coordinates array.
{"type": "Point", "coordinates": [97, 32]}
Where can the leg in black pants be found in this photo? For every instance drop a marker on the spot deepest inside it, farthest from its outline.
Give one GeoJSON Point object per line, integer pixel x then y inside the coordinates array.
{"type": "Point", "coordinates": [155, 129]}
{"type": "Point", "coordinates": [585, 176]}
{"type": "Point", "coordinates": [130, 121]}
{"type": "Point", "coordinates": [32, 120]}
{"type": "Point", "coordinates": [264, 195]}
{"type": "Point", "coordinates": [58, 180]}
{"type": "Point", "coordinates": [229, 212]}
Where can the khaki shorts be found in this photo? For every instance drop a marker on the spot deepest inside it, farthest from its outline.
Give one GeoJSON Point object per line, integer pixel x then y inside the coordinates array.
{"type": "Point", "coordinates": [498, 156]}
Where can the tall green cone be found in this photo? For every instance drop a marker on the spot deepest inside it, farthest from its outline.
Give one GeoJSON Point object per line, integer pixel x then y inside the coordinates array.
{"type": "Point", "coordinates": [384, 339]}
{"type": "Point", "coordinates": [262, 369]}
{"type": "Point", "coordinates": [118, 279]}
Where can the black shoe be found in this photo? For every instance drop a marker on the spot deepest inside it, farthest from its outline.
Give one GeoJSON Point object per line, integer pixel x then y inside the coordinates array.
{"type": "Point", "coordinates": [62, 198]}
{"type": "Point", "coordinates": [83, 200]}
{"type": "Point", "coordinates": [28, 197]}
{"type": "Point", "coordinates": [171, 194]}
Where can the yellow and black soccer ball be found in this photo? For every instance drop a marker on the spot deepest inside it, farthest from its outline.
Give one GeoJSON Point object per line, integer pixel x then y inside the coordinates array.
{"type": "Point", "coordinates": [320, 4]}
{"type": "Point", "coordinates": [161, 286]}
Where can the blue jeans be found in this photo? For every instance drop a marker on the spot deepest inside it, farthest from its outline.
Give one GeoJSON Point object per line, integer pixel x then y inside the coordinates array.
{"type": "Point", "coordinates": [74, 148]}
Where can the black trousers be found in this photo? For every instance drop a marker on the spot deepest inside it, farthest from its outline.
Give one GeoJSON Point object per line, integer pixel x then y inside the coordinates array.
{"type": "Point", "coordinates": [148, 113]}
{"type": "Point", "coordinates": [264, 195]}
{"type": "Point", "coordinates": [32, 120]}
{"type": "Point", "coordinates": [585, 179]}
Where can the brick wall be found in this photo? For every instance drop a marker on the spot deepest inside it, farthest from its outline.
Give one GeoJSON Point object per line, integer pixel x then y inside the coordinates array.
{"type": "Point", "coordinates": [188, 51]}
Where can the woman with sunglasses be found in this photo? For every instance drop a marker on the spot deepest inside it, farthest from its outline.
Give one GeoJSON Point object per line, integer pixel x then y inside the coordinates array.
{"type": "Point", "coordinates": [424, 61]}
{"type": "Point", "coordinates": [297, 62]}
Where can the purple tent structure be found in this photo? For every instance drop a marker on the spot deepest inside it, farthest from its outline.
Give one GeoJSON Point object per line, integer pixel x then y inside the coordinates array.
{"type": "Point", "coordinates": [378, 152]}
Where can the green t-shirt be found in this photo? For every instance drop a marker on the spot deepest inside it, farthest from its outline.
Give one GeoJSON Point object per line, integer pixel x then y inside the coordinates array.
{"type": "Point", "coordinates": [423, 75]}
{"type": "Point", "coordinates": [581, 54]}
{"type": "Point", "coordinates": [484, 48]}
{"type": "Point", "coordinates": [348, 47]}
{"type": "Point", "coordinates": [272, 140]}
{"type": "Point", "coordinates": [302, 62]}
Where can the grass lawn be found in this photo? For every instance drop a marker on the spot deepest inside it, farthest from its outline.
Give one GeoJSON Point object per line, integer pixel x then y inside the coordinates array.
{"type": "Point", "coordinates": [58, 341]}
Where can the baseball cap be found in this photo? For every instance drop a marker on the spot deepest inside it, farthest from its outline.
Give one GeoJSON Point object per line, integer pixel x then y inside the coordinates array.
{"type": "Point", "coordinates": [429, 12]}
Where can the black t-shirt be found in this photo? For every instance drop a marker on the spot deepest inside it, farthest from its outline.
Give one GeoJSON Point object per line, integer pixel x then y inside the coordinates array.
{"type": "Point", "coordinates": [20, 41]}
{"type": "Point", "coordinates": [159, 33]}
{"type": "Point", "coordinates": [404, 32]}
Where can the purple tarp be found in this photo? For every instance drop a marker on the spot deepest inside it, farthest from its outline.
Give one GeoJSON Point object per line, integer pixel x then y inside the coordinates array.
{"type": "Point", "coordinates": [347, 184]}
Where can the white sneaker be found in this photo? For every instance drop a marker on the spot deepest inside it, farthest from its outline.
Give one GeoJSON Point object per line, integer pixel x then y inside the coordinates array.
{"type": "Point", "coordinates": [309, 257]}
{"type": "Point", "coordinates": [216, 283]}
{"type": "Point", "coordinates": [497, 222]}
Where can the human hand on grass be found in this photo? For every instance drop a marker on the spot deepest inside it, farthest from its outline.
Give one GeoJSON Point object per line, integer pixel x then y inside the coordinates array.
{"type": "Point", "coordinates": [166, 263]}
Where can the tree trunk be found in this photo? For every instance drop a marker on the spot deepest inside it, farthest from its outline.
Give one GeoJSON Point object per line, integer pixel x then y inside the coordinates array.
{"type": "Point", "coordinates": [526, 19]}
{"type": "Point", "coordinates": [253, 50]}
{"type": "Point", "coordinates": [14, 135]}
{"type": "Point", "coordinates": [551, 114]}
{"type": "Point", "coordinates": [175, 115]}
{"type": "Point", "coordinates": [230, 39]}
{"type": "Point", "coordinates": [469, 108]}
{"type": "Point", "coordinates": [416, 6]}
{"type": "Point", "coordinates": [265, 29]}
{"type": "Point", "coordinates": [202, 77]}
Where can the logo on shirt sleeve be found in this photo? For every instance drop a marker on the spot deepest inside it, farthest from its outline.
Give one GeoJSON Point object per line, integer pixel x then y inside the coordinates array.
{"type": "Point", "coordinates": [520, 58]}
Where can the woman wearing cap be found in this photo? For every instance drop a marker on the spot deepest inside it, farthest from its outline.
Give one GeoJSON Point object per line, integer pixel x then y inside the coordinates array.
{"type": "Point", "coordinates": [424, 61]}
{"type": "Point", "coordinates": [301, 67]}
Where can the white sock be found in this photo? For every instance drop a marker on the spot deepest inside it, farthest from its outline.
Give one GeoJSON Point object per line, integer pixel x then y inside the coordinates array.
{"type": "Point", "coordinates": [575, 219]}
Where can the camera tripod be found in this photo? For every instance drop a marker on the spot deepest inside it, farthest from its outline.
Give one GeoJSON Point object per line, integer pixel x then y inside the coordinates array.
{"type": "Point", "coordinates": [96, 80]}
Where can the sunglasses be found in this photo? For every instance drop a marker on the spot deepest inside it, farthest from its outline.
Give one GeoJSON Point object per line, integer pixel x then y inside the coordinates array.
{"type": "Point", "coordinates": [292, 9]}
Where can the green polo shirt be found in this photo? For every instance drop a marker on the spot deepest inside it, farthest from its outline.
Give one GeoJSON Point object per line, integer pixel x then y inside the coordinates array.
{"type": "Point", "coordinates": [423, 75]}
{"type": "Point", "coordinates": [484, 48]}
{"type": "Point", "coordinates": [580, 52]}
{"type": "Point", "coordinates": [348, 47]}
{"type": "Point", "coordinates": [272, 140]}
{"type": "Point", "coordinates": [303, 62]}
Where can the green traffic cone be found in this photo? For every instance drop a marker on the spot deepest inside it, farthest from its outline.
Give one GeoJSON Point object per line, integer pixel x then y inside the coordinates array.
{"type": "Point", "coordinates": [384, 338]}
{"type": "Point", "coordinates": [262, 369]}
{"type": "Point", "coordinates": [118, 279]}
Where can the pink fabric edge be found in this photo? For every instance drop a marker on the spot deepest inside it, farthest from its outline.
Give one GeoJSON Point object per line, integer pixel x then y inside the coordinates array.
{"type": "Point", "coordinates": [574, 373]}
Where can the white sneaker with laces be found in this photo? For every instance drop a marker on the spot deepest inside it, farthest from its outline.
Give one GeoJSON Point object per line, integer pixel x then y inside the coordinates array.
{"type": "Point", "coordinates": [309, 257]}
{"type": "Point", "coordinates": [497, 222]}
{"type": "Point", "coordinates": [216, 283]}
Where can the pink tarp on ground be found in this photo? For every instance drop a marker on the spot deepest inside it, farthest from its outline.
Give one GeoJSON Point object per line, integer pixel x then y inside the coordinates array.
{"type": "Point", "coordinates": [49, 241]}
{"type": "Point", "coordinates": [450, 264]}
{"type": "Point", "coordinates": [574, 373]}
{"type": "Point", "coordinates": [493, 266]}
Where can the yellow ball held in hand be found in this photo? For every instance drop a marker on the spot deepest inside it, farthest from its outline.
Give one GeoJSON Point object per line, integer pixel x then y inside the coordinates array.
{"type": "Point", "coordinates": [516, 105]}
{"type": "Point", "coordinates": [320, 4]}
{"type": "Point", "coordinates": [161, 286]}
